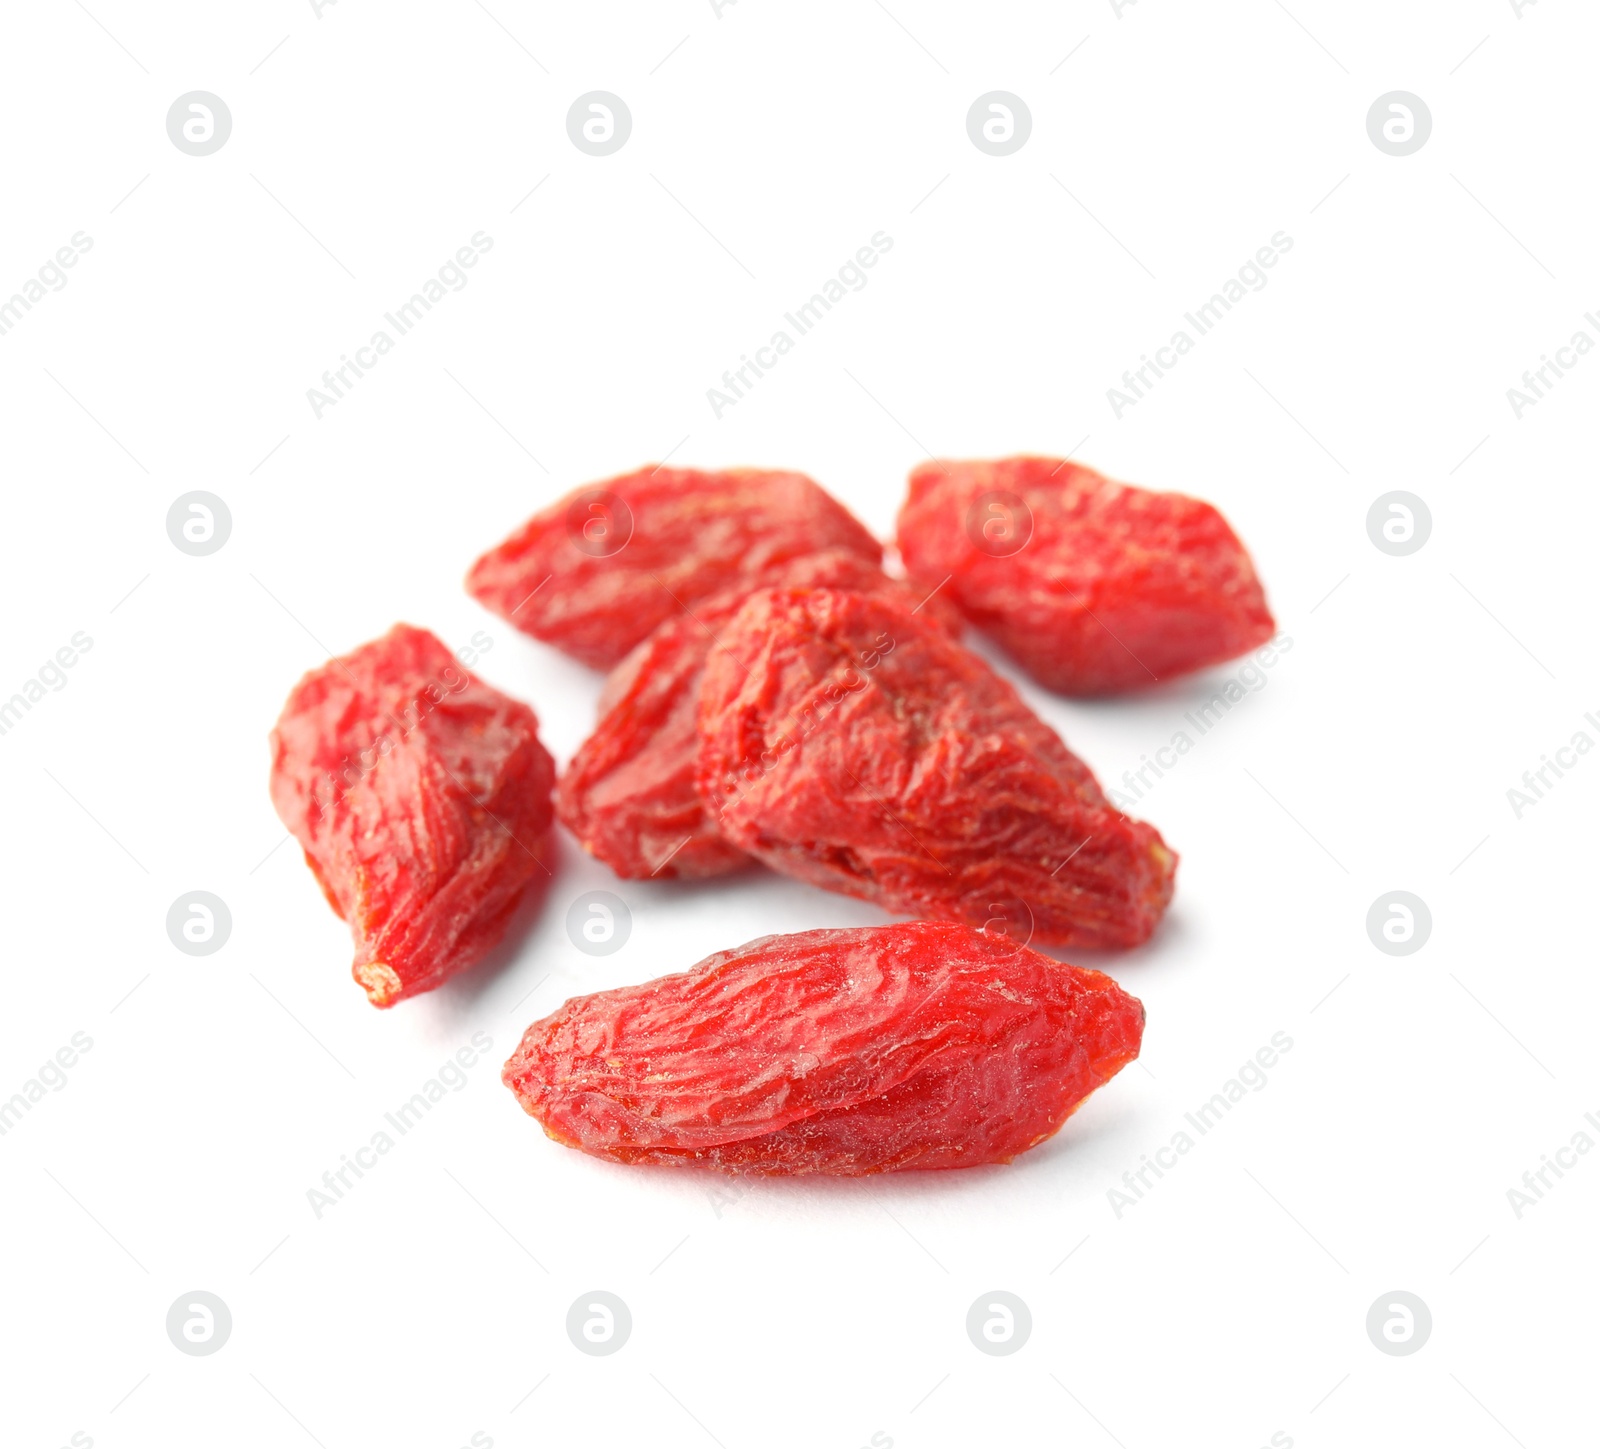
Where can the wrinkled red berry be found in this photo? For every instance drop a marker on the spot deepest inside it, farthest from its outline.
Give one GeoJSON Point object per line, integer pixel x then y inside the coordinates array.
{"type": "Point", "coordinates": [421, 797]}
{"type": "Point", "coordinates": [1094, 587]}
{"type": "Point", "coordinates": [879, 1049]}
{"type": "Point", "coordinates": [849, 743]}
{"type": "Point", "coordinates": [596, 572]}
{"type": "Point", "coordinates": [629, 793]}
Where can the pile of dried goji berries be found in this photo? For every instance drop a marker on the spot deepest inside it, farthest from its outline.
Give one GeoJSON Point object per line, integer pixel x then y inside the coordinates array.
{"type": "Point", "coordinates": [776, 696]}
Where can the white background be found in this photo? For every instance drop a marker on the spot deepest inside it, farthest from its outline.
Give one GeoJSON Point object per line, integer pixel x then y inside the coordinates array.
{"type": "Point", "coordinates": [1230, 1303]}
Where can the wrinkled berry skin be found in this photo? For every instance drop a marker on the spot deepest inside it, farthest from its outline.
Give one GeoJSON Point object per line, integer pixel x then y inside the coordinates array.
{"type": "Point", "coordinates": [421, 798]}
{"type": "Point", "coordinates": [1093, 587]}
{"type": "Point", "coordinates": [847, 1052]}
{"type": "Point", "coordinates": [629, 794]}
{"type": "Point", "coordinates": [596, 572]}
{"type": "Point", "coordinates": [848, 743]}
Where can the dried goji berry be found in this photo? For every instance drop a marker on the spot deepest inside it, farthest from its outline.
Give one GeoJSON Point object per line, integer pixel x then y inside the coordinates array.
{"type": "Point", "coordinates": [847, 742]}
{"type": "Point", "coordinates": [420, 796]}
{"type": "Point", "coordinates": [1092, 586]}
{"type": "Point", "coordinates": [629, 793]}
{"type": "Point", "coordinates": [877, 1049]}
{"type": "Point", "coordinates": [596, 572]}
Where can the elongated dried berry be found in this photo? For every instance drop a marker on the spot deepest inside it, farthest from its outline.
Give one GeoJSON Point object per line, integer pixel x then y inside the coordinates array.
{"type": "Point", "coordinates": [596, 572]}
{"type": "Point", "coordinates": [848, 743]}
{"type": "Point", "coordinates": [878, 1049]}
{"type": "Point", "coordinates": [629, 794]}
{"type": "Point", "coordinates": [1094, 587]}
{"type": "Point", "coordinates": [421, 797]}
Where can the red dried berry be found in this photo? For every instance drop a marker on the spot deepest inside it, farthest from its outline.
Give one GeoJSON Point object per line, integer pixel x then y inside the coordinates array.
{"type": "Point", "coordinates": [420, 797]}
{"type": "Point", "coordinates": [596, 572]}
{"type": "Point", "coordinates": [1094, 587]}
{"type": "Point", "coordinates": [848, 743]}
{"type": "Point", "coordinates": [629, 793]}
{"type": "Point", "coordinates": [879, 1049]}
